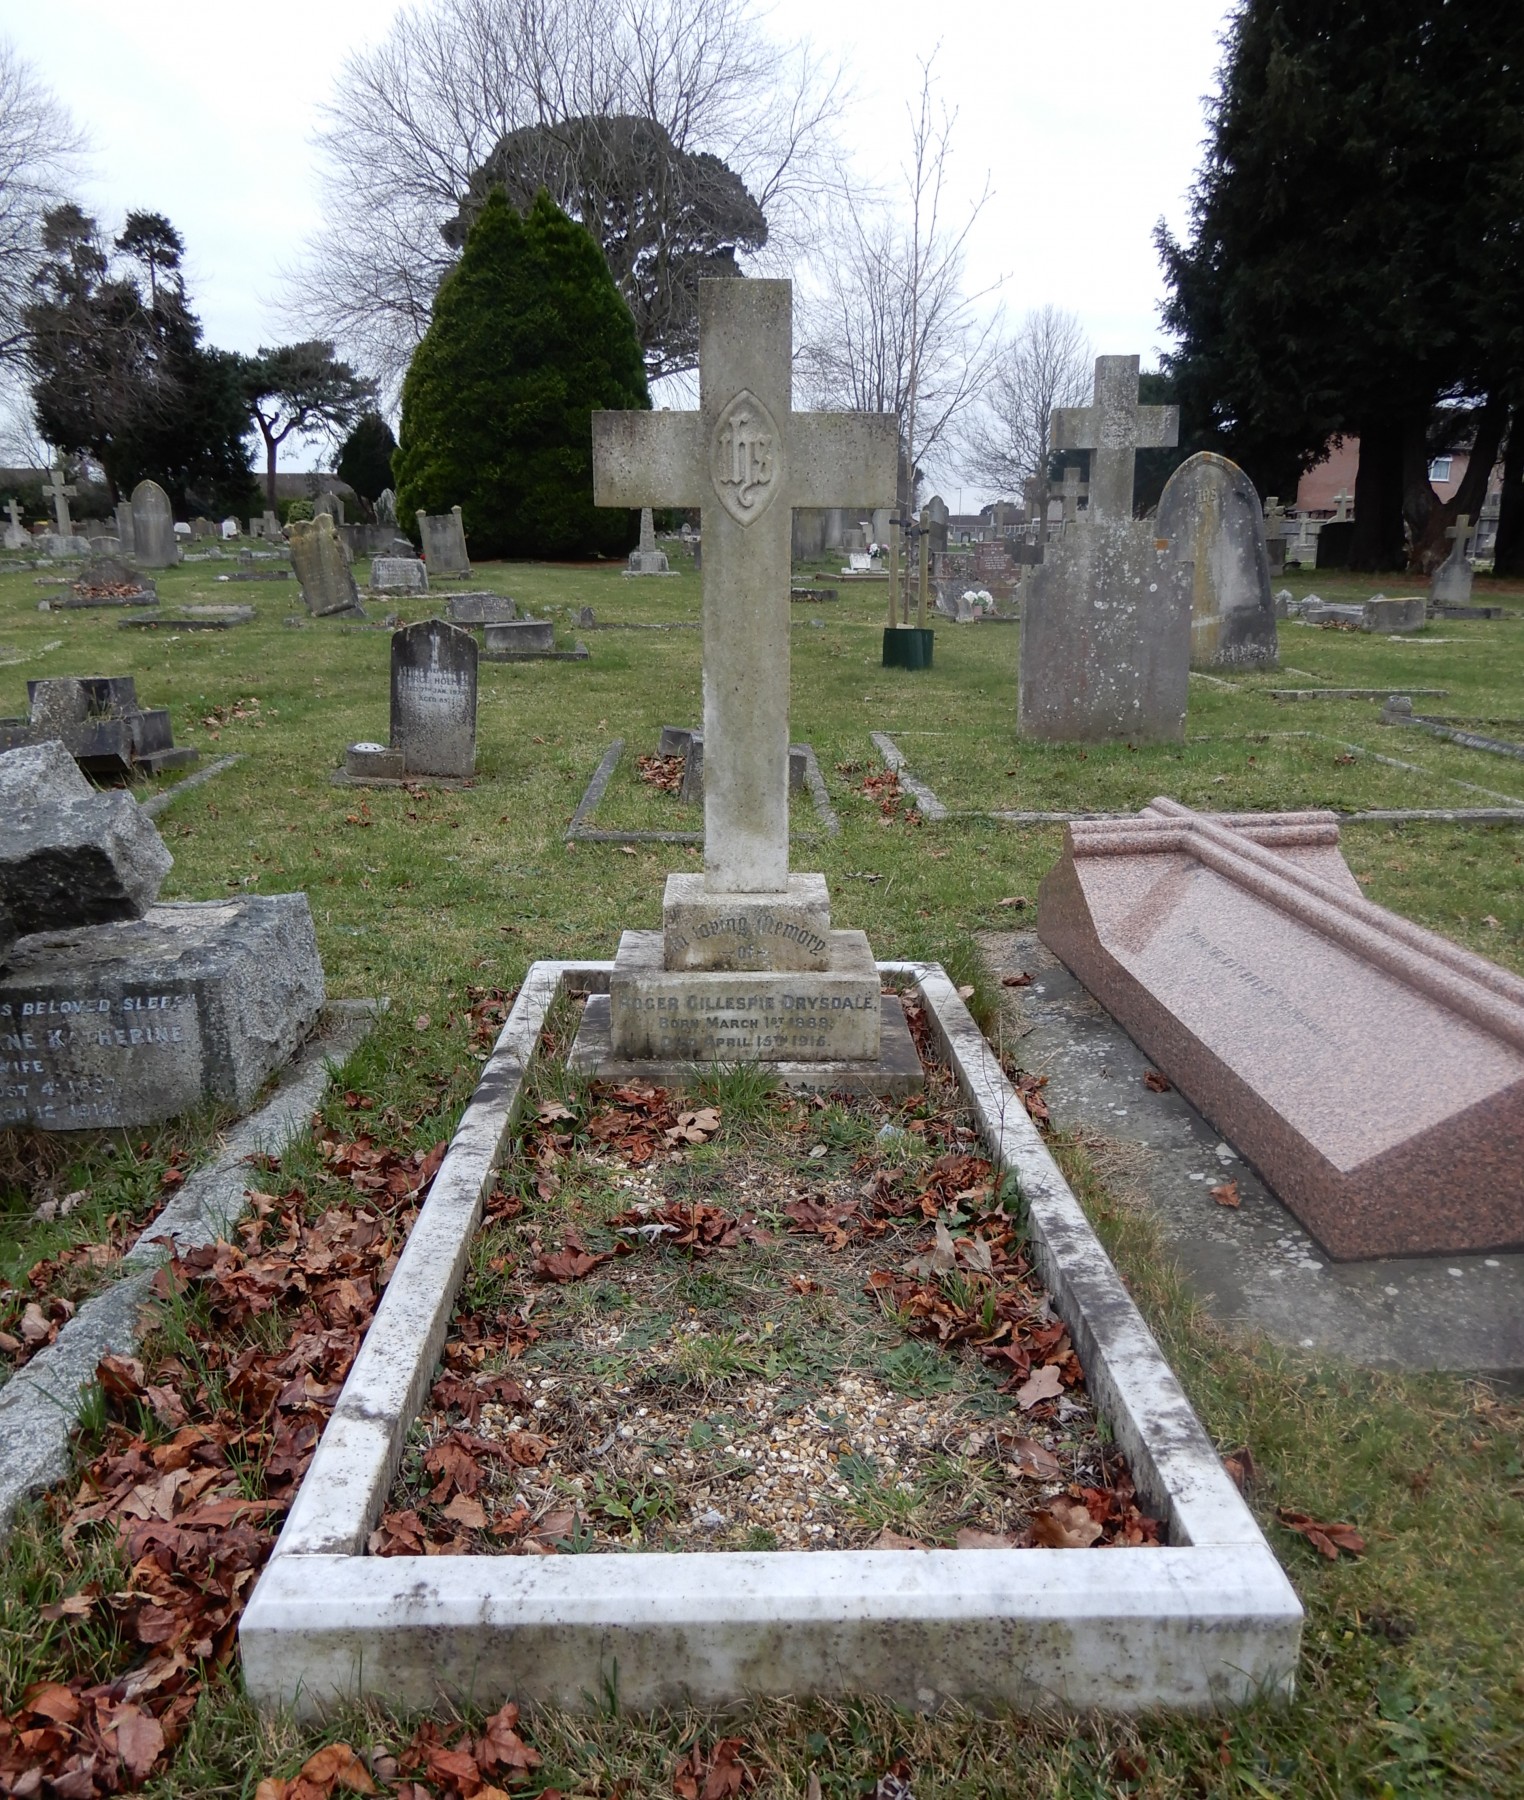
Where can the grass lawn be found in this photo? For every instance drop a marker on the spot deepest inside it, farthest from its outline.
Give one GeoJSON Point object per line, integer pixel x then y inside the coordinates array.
{"type": "Point", "coordinates": [1412, 1680]}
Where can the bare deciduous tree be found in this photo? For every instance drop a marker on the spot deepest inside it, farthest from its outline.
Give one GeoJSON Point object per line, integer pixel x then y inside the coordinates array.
{"type": "Point", "coordinates": [414, 119]}
{"type": "Point", "coordinates": [891, 328]}
{"type": "Point", "coordinates": [40, 150]}
{"type": "Point", "coordinates": [1006, 439]}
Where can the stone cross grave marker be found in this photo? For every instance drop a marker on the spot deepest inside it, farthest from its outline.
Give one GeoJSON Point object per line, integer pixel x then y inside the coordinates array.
{"type": "Point", "coordinates": [15, 532]}
{"type": "Point", "coordinates": [745, 458]}
{"type": "Point", "coordinates": [434, 699]}
{"type": "Point", "coordinates": [1341, 507]}
{"type": "Point", "coordinates": [61, 495]}
{"type": "Point", "coordinates": [1451, 585]}
{"type": "Point", "coordinates": [1113, 428]}
{"type": "Point", "coordinates": [1073, 490]}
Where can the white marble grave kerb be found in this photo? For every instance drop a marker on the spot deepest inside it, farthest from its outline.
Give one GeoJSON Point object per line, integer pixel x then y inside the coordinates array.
{"type": "Point", "coordinates": [1205, 1620]}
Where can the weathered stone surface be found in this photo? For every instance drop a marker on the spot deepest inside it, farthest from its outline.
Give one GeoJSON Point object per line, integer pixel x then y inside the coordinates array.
{"type": "Point", "coordinates": [1211, 514]}
{"type": "Point", "coordinates": [1105, 638]}
{"type": "Point", "coordinates": [1371, 1071]}
{"type": "Point", "coordinates": [322, 567]}
{"type": "Point", "coordinates": [832, 1015]}
{"type": "Point", "coordinates": [1384, 616]}
{"type": "Point", "coordinates": [153, 527]}
{"type": "Point", "coordinates": [520, 635]}
{"type": "Point", "coordinates": [68, 855]}
{"type": "Point", "coordinates": [398, 575]}
{"type": "Point", "coordinates": [100, 723]}
{"type": "Point", "coordinates": [702, 930]}
{"type": "Point", "coordinates": [434, 698]}
{"type": "Point", "coordinates": [480, 609]}
{"type": "Point", "coordinates": [127, 1023]}
{"type": "Point", "coordinates": [444, 542]}
{"type": "Point", "coordinates": [1113, 428]}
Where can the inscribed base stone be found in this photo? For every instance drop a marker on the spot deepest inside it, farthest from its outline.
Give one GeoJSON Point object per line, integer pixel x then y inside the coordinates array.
{"type": "Point", "coordinates": [434, 698]}
{"type": "Point", "coordinates": [480, 609]}
{"type": "Point", "coordinates": [705, 930]}
{"type": "Point", "coordinates": [1210, 512]}
{"type": "Point", "coordinates": [1105, 638]}
{"type": "Point", "coordinates": [1451, 585]}
{"type": "Point", "coordinates": [322, 567]}
{"type": "Point", "coordinates": [1372, 1072]}
{"type": "Point", "coordinates": [153, 527]}
{"type": "Point", "coordinates": [830, 1015]}
{"type": "Point", "coordinates": [398, 575]}
{"type": "Point", "coordinates": [124, 1024]}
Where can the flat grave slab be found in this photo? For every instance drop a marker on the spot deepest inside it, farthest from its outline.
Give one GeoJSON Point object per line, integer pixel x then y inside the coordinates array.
{"type": "Point", "coordinates": [1371, 1071]}
{"type": "Point", "coordinates": [1203, 1620]}
{"type": "Point", "coordinates": [1253, 1266]}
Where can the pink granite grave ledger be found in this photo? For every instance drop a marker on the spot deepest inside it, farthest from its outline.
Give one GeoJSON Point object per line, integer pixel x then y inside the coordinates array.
{"type": "Point", "coordinates": [1370, 1070]}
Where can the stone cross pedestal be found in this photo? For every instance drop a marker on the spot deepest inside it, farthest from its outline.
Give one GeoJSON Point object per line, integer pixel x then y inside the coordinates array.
{"type": "Point", "coordinates": [748, 967]}
{"type": "Point", "coordinates": [61, 495]}
{"type": "Point", "coordinates": [1341, 507]}
{"type": "Point", "coordinates": [15, 532]}
{"type": "Point", "coordinates": [1113, 428]}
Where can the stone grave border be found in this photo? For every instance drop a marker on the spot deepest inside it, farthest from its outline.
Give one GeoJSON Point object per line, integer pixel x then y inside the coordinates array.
{"type": "Point", "coordinates": [931, 807]}
{"type": "Point", "coordinates": [157, 803]}
{"type": "Point", "coordinates": [1468, 740]}
{"type": "Point", "coordinates": [40, 1402]}
{"type": "Point", "coordinates": [579, 831]}
{"type": "Point", "coordinates": [1207, 1620]}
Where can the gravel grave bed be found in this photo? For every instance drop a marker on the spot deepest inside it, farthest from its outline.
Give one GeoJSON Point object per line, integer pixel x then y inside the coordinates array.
{"type": "Point", "coordinates": [750, 1320]}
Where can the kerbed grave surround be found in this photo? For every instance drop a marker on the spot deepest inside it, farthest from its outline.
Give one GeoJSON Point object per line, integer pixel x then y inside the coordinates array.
{"type": "Point", "coordinates": [1207, 1620]}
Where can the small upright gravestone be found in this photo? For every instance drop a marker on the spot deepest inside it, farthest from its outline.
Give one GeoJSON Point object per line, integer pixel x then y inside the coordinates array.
{"type": "Point", "coordinates": [153, 527]}
{"type": "Point", "coordinates": [444, 542]}
{"type": "Point", "coordinates": [124, 531]}
{"type": "Point", "coordinates": [1451, 585]}
{"type": "Point", "coordinates": [1211, 514]}
{"type": "Point", "coordinates": [15, 532]}
{"type": "Point", "coordinates": [322, 567]}
{"type": "Point", "coordinates": [647, 560]}
{"type": "Point", "coordinates": [434, 699]}
{"type": "Point", "coordinates": [480, 609]}
{"type": "Point", "coordinates": [1106, 628]}
{"type": "Point", "coordinates": [398, 575]}
{"type": "Point", "coordinates": [330, 504]}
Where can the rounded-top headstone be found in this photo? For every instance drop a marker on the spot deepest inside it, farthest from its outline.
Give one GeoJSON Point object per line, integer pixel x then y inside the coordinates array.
{"type": "Point", "coordinates": [153, 527]}
{"type": "Point", "coordinates": [1211, 515]}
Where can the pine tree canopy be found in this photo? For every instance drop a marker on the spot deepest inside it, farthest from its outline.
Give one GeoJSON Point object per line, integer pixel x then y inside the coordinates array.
{"type": "Point", "coordinates": [529, 337]}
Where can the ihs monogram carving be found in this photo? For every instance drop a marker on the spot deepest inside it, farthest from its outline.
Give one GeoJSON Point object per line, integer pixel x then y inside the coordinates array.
{"type": "Point", "coordinates": [746, 458]}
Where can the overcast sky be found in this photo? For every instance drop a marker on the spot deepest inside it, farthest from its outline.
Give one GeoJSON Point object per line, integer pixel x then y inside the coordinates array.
{"type": "Point", "coordinates": [1087, 118]}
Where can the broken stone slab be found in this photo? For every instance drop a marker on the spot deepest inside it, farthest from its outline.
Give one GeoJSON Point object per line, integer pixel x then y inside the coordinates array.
{"type": "Point", "coordinates": [1371, 1071]}
{"type": "Point", "coordinates": [70, 856]}
{"type": "Point", "coordinates": [128, 1023]}
{"type": "Point", "coordinates": [99, 722]}
{"type": "Point", "coordinates": [1388, 617]}
{"type": "Point", "coordinates": [520, 636]}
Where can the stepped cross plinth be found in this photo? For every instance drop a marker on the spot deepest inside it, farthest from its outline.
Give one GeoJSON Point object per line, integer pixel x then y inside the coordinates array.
{"type": "Point", "coordinates": [1113, 428]}
{"type": "Point", "coordinates": [747, 967]}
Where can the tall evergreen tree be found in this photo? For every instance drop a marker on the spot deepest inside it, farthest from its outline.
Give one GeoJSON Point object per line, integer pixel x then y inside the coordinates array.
{"type": "Point", "coordinates": [528, 338]}
{"type": "Point", "coordinates": [365, 457]}
{"type": "Point", "coordinates": [1356, 251]}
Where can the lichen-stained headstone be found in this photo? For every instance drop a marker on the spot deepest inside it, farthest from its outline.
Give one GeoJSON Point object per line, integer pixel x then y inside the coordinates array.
{"type": "Point", "coordinates": [1451, 585]}
{"type": "Point", "coordinates": [153, 527]}
{"type": "Point", "coordinates": [1211, 515]}
{"type": "Point", "coordinates": [322, 567]}
{"type": "Point", "coordinates": [434, 699]}
{"type": "Point", "coordinates": [444, 542]}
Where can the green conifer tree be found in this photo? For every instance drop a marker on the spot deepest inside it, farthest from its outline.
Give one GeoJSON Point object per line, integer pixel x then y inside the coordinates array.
{"type": "Point", "coordinates": [529, 337]}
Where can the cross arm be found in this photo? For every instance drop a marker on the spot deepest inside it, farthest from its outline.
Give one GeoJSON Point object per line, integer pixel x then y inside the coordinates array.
{"type": "Point", "coordinates": [1158, 427]}
{"type": "Point", "coordinates": [1074, 428]}
{"type": "Point", "coordinates": [843, 459]}
{"type": "Point", "coordinates": [648, 459]}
